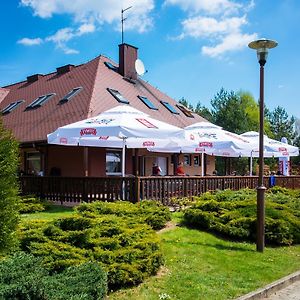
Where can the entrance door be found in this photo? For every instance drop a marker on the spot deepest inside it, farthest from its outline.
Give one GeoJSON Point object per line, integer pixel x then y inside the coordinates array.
{"type": "Point", "coordinates": [162, 162]}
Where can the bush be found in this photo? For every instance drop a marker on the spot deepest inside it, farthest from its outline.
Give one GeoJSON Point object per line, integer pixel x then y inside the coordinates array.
{"type": "Point", "coordinates": [31, 204]}
{"type": "Point", "coordinates": [116, 235]}
{"type": "Point", "coordinates": [233, 214]}
{"type": "Point", "coordinates": [23, 277]}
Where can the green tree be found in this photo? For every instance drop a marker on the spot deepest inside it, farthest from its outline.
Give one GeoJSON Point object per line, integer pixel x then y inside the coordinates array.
{"type": "Point", "coordinates": [281, 124]}
{"type": "Point", "coordinates": [204, 112]}
{"type": "Point", "coordinates": [9, 161]}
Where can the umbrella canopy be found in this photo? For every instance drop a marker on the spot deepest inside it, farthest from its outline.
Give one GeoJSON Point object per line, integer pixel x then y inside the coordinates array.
{"type": "Point", "coordinates": [113, 128]}
{"type": "Point", "coordinates": [122, 121]}
{"type": "Point", "coordinates": [272, 148]}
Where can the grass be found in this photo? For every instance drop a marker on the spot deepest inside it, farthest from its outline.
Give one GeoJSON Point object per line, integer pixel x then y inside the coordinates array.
{"type": "Point", "coordinates": [54, 211]}
{"type": "Point", "coordinates": [201, 266]}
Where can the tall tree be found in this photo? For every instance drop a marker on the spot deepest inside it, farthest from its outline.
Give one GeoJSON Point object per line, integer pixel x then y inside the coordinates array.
{"type": "Point", "coordinates": [281, 124]}
{"type": "Point", "coordinates": [9, 162]}
{"type": "Point", "coordinates": [236, 112]}
{"type": "Point", "coordinates": [204, 112]}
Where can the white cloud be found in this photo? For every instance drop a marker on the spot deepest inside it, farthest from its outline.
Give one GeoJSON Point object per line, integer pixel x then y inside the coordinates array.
{"type": "Point", "coordinates": [218, 23]}
{"type": "Point", "coordinates": [104, 11]}
{"type": "Point", "coordinates": [206, 6]}
{"type": "Point", "coordinates": [231, 42]}
{"type": "Point", "coordinates": [30, 42]}
{"type": "Point", "coordinates": [62, 36]}
{"type": "Point", "coordinates": [206, 26]}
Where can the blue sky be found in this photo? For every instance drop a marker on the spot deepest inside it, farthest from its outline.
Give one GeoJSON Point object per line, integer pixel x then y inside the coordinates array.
{"type": "Point", "coordinates": [191, 48]}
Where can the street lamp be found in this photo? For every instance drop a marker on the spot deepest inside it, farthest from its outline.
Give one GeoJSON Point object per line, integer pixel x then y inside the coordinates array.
{"type": "Point", "coordinates": [261, 46]}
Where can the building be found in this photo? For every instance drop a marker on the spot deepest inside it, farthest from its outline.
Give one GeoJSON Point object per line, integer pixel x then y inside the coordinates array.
{"type": "Point", "coordinates": [37, 106]}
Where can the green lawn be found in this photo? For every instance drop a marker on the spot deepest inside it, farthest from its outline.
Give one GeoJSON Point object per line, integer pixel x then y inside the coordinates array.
{"type": "Point", "coordinates": [201, 266]}
{"type": "Point", "coordinates": [54, 211]}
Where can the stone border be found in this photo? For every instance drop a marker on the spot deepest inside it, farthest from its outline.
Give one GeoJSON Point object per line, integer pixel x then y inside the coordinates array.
{"type": "Point", "coordinates": [271, 288]}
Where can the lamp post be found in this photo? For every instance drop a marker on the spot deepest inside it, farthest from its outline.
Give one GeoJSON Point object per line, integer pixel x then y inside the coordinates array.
{"type": "Point", "coordinates": [261, 46]}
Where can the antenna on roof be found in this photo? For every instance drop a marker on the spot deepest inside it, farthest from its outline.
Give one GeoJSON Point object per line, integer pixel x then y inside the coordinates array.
{"type": "Point", "coordinates": [122, 21]}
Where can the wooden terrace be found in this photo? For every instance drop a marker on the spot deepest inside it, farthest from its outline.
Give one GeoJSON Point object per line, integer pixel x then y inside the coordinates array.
{"type": "Point", "coordinates": [74, 190]}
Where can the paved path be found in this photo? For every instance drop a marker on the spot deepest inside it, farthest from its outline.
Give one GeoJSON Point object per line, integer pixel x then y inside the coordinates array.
{"type": "Point", "coordinates": [291, 292]}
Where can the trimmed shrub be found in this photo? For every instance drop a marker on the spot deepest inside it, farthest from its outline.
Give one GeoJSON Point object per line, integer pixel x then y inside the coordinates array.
{"type": "Point", "coordinates": [31, 204]}
{"type": "Point", "coordinates": [24, 277]}
{"type": "Point", "coordinates": [115, 235]}
{"type": "Point", "coordinates": [21, 277]}
{"type": "Point", "coordinates": [233, 214]}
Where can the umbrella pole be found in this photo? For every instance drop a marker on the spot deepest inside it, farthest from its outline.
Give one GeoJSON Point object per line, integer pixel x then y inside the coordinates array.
{"type": "Point", "coordinates": [251, 157]}
{"type": "Point", "coordinates": [202, 164]}
{"type": "Point", "coordinates": [123, 167]}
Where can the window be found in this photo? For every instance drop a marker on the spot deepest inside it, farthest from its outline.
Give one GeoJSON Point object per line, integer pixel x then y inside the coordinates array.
{"type": "Point", "coordinates": [169, 107]}
{"type": "Point", "coordinates": [196, 161]}
{"type": "Point", "coordinates": [111, 66]}
{"type": "Point", "coordinates": [118, 96]}
{"type": "Point", "coordinates": [9, 108]}
{"type": "Point", "coordinates": [71, 94]}
{"type": "Point", "coordinates": [113, 162]}
{"type": "Point", "coordinates": [40, 101]}
{"type": "Point", "coordinates": [185, 110]}
{"type": "Point", "coordinates": [147, 102]}
{"type": "Point", "coordinates": [33, 164]}
{"type": "Point", "coordinates": [187, 159]}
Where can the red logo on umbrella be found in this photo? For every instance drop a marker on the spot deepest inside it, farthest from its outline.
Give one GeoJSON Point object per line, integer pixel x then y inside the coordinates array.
{"type": "Point", "coordinates": [88, 131]}
{"type": "Point", "coordinates": [148, 144]}
{"type": "Point", "coordinates": [192, 137]}
{"type": "Point", "coordinates": [282, 149]}
{"type": "Point", "coordinates": [146, 123]}
{"type": "Point", "coordinates": [104, 137]}
{"type": "Point", "coordinates": [205, 144]}
{"type": "Point", "coordinates": [63, 140]}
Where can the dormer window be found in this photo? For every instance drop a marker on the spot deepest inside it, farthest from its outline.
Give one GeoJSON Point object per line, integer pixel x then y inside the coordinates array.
{"type": "Point", "coordinates": [185, 110]}
{"type": "Point", "coordinates": [111, 66]}
{"type": "Point", "coordinates": [147, 102]}
{"type": "Point", "coordinates": [40, 101]}
{"type": "Point", "coordinates": [9, 108]}
{"type": "Point", "coordinates": [169, 107]}
{"type": "Point", "coordinates": [118, 96]}
{"type": "Point", "coordinates": [71, 94]}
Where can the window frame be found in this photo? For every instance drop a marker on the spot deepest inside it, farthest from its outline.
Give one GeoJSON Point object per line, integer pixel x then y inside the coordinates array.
{"type": "Point", "coordinates": [187, 112]}
{"type": "Point", "coordinates": [169, 107]}
{"type": "Point", "coordinates": [115, 94]}
{"type": "Point", "coordinates": [38, 102]}
{"type": "Point", "coordinates": [147, 102]}
{"type": "Point", "coordinates": [12, 106]}
{"type": "Point", "coordinates": [69, 95]}
{"type": "Point", "coordinates": [119, 163]}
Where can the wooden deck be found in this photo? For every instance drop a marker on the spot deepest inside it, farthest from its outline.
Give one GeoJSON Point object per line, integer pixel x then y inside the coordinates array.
{"type": "Point", "coordinates": [163, 188]}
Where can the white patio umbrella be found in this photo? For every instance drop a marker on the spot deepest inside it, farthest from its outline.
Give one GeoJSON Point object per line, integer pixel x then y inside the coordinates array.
{"type": "Point", "coordinates": [205, 137]}
{"type": "Point", "coordinates": [272, 148]}
{"type": "Point", "coordinates": [114, 127]}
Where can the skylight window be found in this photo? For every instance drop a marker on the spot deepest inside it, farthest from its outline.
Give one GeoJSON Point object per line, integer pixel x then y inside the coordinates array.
{"type": "Point", "coordinates": [147, 102]}
{"type": "Point", "coordinates": [40, 101]}
{"type": "Point", "coordinates": [71, 94]}
{"type": "Point", "coordinates": [185, 110]}
{"type": "Point", "coordinates": [9, 108]}
{"type": "Point", "coordinates": [169, 107]}
{"type": "Point", "coordinates": [111, 66]}
{"type": "Point", "coordinates": [118, 96]}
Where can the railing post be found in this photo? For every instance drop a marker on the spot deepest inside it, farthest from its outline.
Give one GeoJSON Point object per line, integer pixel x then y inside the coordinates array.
{"type": "Point", "coordinates": [137, 190]}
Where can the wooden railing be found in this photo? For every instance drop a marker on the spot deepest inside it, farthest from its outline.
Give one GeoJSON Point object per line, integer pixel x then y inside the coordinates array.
{"type": "Point", "coordinates": [163, 188]}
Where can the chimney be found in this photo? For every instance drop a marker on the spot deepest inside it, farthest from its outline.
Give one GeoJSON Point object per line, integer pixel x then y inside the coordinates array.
{"type": "Point", "coordinates": [33, 78]}
{"type": "Point", "coordinates": [127, 58]}
{"type": "Point", "coordinates": [64, 69]}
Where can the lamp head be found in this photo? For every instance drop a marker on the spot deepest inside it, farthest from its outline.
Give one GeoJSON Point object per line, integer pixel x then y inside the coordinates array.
{"type": "Point", "coordinates": [262, 46]}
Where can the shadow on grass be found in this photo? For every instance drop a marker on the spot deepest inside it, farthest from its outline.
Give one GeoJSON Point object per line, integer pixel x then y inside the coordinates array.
{"type": "Point", "coordinates": [51, 208]}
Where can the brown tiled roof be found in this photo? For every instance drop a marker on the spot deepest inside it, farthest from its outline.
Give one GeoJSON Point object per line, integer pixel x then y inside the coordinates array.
{"type": "Point", "coordinates": [30, 125]}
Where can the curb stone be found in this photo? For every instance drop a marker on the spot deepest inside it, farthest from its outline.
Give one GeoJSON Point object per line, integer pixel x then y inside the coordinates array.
{"type": "Point", "coordinates": [271, 288]}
